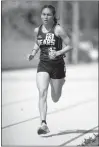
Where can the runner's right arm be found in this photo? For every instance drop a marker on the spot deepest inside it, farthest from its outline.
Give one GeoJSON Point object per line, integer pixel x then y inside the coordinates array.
{"type": "Point", "coordinates": [35, 48]}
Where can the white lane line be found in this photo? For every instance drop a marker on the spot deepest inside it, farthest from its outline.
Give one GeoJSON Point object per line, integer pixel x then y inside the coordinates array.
{"type": "Point", "coordinates": [52, 112]}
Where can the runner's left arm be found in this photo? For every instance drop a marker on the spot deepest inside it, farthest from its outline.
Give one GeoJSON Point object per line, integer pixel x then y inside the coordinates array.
{"type": "Point", "coordinates": [66, 40]}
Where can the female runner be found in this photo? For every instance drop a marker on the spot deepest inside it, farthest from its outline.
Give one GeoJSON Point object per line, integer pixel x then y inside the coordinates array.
{"type": "Point", "coordinates": [51, 68]}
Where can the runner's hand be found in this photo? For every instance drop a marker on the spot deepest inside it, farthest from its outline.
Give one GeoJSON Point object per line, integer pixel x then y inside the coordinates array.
{"type": "Point", "coordinates": [30, 57]}
{"type": "Point", "coordinates": [52, 54]}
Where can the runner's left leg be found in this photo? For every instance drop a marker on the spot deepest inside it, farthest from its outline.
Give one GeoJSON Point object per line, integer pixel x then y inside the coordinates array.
{"type": "Point", "coordinates": [56, 88]}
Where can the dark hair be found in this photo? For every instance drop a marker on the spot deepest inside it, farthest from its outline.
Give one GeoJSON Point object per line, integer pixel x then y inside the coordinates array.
{"type": "Point", "coordinates": [53, 11]}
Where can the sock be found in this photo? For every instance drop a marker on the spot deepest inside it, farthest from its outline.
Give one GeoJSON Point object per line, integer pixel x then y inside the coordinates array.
{"type": "Point", "coordinates": [44, 121]}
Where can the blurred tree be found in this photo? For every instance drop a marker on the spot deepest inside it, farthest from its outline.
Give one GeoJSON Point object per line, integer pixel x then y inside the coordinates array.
{"type": "Point", "coordinates": [75, 27]}
{"type": "Point", "coordinates": [89, 14]}
{"type": "Point", "coordinates": [69, 13]}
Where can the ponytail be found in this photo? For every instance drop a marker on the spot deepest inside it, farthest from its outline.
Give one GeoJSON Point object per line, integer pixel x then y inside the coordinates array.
{"type": "Point", "coordinates": [55, 20]}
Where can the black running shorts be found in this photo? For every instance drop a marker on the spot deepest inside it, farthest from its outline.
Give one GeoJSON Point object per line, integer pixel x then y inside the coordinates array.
{"type": "Point", "coordinates": [55, 70]}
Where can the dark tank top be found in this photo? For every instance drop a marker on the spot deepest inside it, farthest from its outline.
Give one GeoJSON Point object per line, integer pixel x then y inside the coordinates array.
{"type": "Point", "coordinates": [47, 42]}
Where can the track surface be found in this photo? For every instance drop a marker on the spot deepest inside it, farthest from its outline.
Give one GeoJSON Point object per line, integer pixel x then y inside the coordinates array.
{"type": "Point", "coordinates": [72, 119]}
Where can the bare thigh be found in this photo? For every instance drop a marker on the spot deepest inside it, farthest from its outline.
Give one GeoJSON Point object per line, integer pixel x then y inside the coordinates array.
{"type": "Point", "coordinates": [56, 88]}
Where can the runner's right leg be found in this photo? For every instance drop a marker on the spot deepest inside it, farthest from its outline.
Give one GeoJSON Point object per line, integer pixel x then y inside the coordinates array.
{"type": "Point", "coordinates": [42, 85]}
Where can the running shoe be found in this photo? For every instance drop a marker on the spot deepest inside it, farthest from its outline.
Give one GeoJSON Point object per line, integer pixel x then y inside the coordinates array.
{"type": "Point", "coordinates": [43, 129]}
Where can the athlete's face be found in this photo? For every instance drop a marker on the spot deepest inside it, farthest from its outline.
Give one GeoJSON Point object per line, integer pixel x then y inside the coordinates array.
{"type": "Point", "coordinates": [47, 16]}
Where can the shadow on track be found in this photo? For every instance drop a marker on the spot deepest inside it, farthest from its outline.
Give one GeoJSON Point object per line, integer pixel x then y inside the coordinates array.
{"type": "Point", "coordinates": [71, 132]}
{"type": "Point", "coordinates": [82, 133]}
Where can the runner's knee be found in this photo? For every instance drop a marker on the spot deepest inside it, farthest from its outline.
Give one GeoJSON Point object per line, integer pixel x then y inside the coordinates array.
{"type": "Point", "coordinates": [42, 93]}
{"type": "Point", "coordinates": [55, 97]}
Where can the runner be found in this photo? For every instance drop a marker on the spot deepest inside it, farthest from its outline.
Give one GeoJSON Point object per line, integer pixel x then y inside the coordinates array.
{"type": "Point", "coordinates": [51, 68]}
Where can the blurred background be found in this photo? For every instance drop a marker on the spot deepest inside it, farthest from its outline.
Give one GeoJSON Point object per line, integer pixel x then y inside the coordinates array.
{"type": "Point", "coordinates": [19, 18]}
{"type": "Point", "coordinates": [19, 92]}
